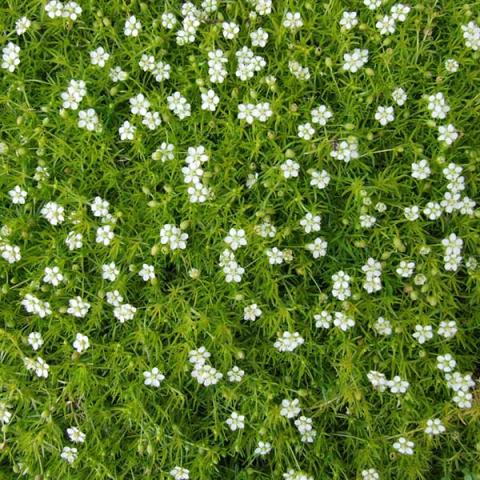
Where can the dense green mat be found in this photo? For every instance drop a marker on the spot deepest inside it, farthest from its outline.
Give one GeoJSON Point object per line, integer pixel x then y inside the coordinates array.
{"type": "Point", "coordinates": [239, 240]}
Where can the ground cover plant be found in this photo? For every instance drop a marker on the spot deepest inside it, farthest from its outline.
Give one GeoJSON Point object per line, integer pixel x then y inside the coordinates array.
{"type": "Point", "coordinates": [239, 239]}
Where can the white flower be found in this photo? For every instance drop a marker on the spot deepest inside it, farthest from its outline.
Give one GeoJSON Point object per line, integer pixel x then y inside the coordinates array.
{"type": "Point", "coordinates": [74, 240]}
{"type": "Point", "coordinates": [447, 329]}
{"type": "Point", "coordinates": [383, 326]}
{"type": "Point", "coordinates": [88, 119]}
{"type": "Point", "coordinates": [18, 195]}
{"type": "Point", "coordinates": [75, 435]}
{"type": "Point", "coordinates": [263, 448]}
{"type": "Point", "coordinates": [69, 454]}
{"type": "Point", "coordinates": [41, 368]}
{"type": "Point", "coordinates": [399, 12]}
{"type": "Point", "coordinates": [355, 60]}
{"type": "Point", "coordinates": [252, 312]}
{"type": "Point", "coordinates": [127, 131]}
{"type": "Point", "coordinates": [290, 408]}
{"type": "Point", "coordinates": [321, 115]}
{"type": "Point", "coordinates": [22, 25]}
{"type": "Point", "coordinates": [434, 427]}
{"type": "Point", "coordinates": [290, 168]}
{"type": "Point", "coordinates": [230, 30]}
{"type": "Point", "coordinates": [53, 212]}
{"type": "Point", "coordinates": [116, 74]}
{"type": "Point", "coordinates": [447, 134]}
{"type": "Point", "coordinates": [104, 235]}
{"type": "Point", "coordinates": [349, 20]}
{"type": "Point", "coordinates": [292, 20]}
{"type": "Point", "coordinates": [81, 343]}
{"type": "Point", "coordinates": [384, 115]}
{"type": "Point", "coordinates": [343, 321]}
{"type": "Point", "coordinates": [235, 374]}
{"type": "Point", "coordinates": [306, 131]}
{"type": "Point", "coordinates": [168, 20]}
{"type": "Point", "coordinates": [124, 312]}
{"type": "Point", "coordinates": [451, 65]}
{"type": "Point", "coordinates": [318, 248]}
{"type": "Point", "coordinates": [319, 179]}
{"type": "Point", "coordinates": [53, 276]}
{"type": "Point", "coordinates": [405, 269]}
{"type": "Point", "coordinates": [446, 363]}
{"type": "Point", "coordinates": [471, 35]}
{"type": "Point", "coordinates": [386, 25]}
{"type": "Point", "coordinates": [78, 307]}
{"type": "Point", "coordinates": [114, 298]}
{"type": "Point", "coordinates": [311, 223]}
{"type": "Point", "coordinates": [153, 377]}
{"type": "Point", "coordinates": [210, 100]}
{"type": "Point", "coordinates": [180, 473]}
{"type": "Point", "coordinates": [11, 57]}
{"type": "Point", "coordinates": [341, 285]}
{"type": "Point", "coordinates": [147, 272]}
{"type": "Point", "coordinates": [35, 340]}
{"type": "Point", "coordinates": [404, 446]}
{"type": "Point", "coordinates": [378, 380]}
{"type": "Point", "coordinates": [139, 105]}
{"type": "Point", "coordinates": [236, 421]}
{"type": "Point", "coordinates": [54, 9]}
{"type": "Point", "coordinates": [259, 38]}
{"type": "Point", "coordinates": [178, 105]}
{"type": "Point", "coordinates": [72, 11]}
{"type": "Point", "coordinates": [323, 319]}
{"type": "Point", "coordinates": [438, 106]}
{"type": "Point", "coordinates": [132, 27]}
{"type": "Point", "coordinates": [421, 170]}
{"type": "Point", "coordinates": [399, 96]}
{"type": "Point", "coordinates": [397, 385]}
{"type": "Point", "coordinates": [423, 333]}
{"type": "Point", "coordinates": [235, 238]}
{"type": "Point", "coordinates": [275, 256]}
{"type": "Point", "coordinates": [99, 57]}
{"type": "Point", "coordinates": [370, 474]}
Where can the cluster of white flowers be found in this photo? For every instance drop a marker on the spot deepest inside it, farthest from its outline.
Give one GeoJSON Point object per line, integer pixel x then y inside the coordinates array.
{"type": "Point", "coordinates": [299, 72]}
{"type": "Point", "coordinates": [248, 63]}
{"type": "Point", "coordinates": [74, 94]}
{"type": "Point", "coordinates": [204, 373]}
{"type": "Point", "coordinates": [288, 342]}
{"type": "Point", "coordinates": [341, 285]}
{"type": "Point", "coordinates": [452, 257]}
{"type": "Point", "coordinates": [380, 382]}
{"type": "Point", "coordinates": [236, 421]}
{"type": "Point", "coordinates": [216, 66]}
{"type": "Point", "coordinates": [193, 173]}
{"type": "Point", "coordinates": [296, 475]}
{"type": "Point", "coordinates": [250, 112]}
{"type": "Point", "coordinates": [34, 305]}
{"type": "Point", "coordinates": [70, 10]}
{"type": "Point", "coordinates": [160, 70]}
{"type": "Point", "coordinates": [373, 272]}
{"type": "Point", "coordinates": [461, 385]}
{"type": "Point", "coordinates": [232, 270]}
{"type": "Point", "coordinates": [10, 57]}
{"type": "Point", "coordinates": [39, 366]}
{"type": "Point", "coordinates": [179, 105]}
